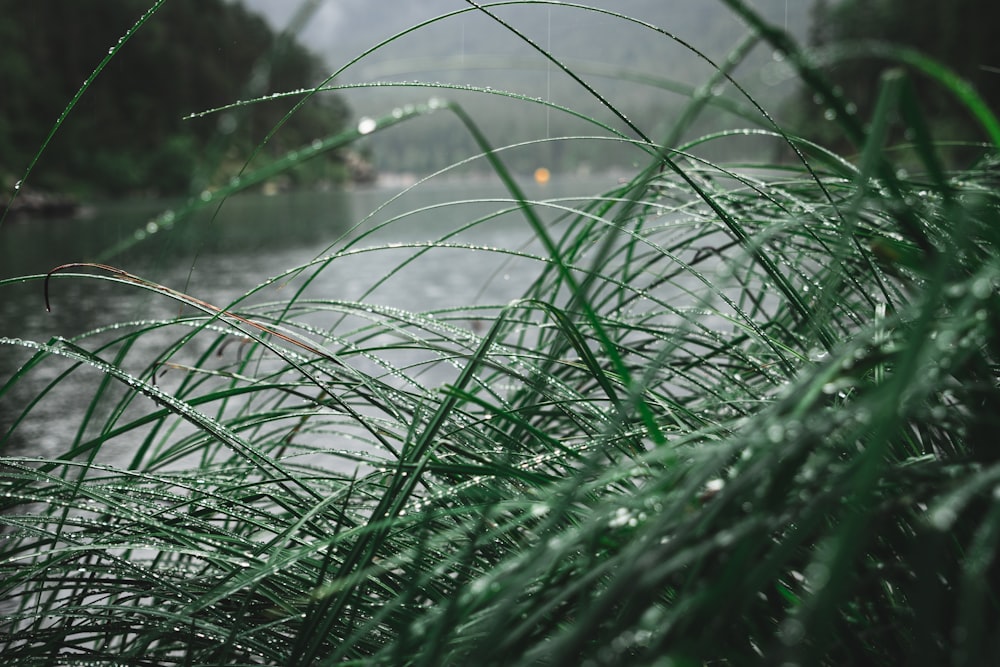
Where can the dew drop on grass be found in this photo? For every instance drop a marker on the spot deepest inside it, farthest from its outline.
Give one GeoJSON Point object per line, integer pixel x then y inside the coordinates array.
{"type": "Point", "coordinates": [367, 125]}
{"type": "Point", "coordinates": [540, 510]}
{"type": "Point", "coordinates": [943, 517]}
{"type": "Point", "coordinates": [816, 355]}
{"type": "Point", "coordinates": [17, 186]}
{"type": "Point", "coordinates": [620, 518]}
{"type": "Point", "coordinates": [982, 288]}
{"type": "Point", "coordinates": [725, 538]}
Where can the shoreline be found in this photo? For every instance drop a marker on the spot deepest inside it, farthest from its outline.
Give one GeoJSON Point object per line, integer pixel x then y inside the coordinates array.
{"type": "Point", "coordinates": [39, 204]}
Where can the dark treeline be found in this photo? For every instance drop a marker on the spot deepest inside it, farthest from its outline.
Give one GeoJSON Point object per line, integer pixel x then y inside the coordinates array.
{"type": "Point", "coordinates": [960, 34]}
{"type": "Point", "coordinates": [127, 134]}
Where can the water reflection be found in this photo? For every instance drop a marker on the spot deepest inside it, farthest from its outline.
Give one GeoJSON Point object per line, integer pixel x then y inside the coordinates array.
{"type": "Point", "coordinates": [246, 223]}
{"type": "Point", "coordinates": [222, 256]}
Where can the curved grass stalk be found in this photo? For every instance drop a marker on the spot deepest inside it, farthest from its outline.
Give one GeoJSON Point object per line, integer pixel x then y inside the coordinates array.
{"type": "Point", "coordinates": [740, 415]}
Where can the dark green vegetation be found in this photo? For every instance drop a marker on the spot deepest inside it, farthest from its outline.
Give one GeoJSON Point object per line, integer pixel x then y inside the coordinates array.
{"type": "Point", "coordinates": [745, 415]}
{"type": "Point", "coordinates": [851, 37]}
{"type": "Point", "coordinates": [127, 133]}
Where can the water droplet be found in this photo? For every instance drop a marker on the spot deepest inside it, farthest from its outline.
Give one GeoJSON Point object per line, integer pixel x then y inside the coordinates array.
{"type": "Point", "coordinates": [539, 510]}
{"type": "Point", "coordinates": [943, 517]}
{"type": "Point", "coordinates": [17, 186]}
{"type": "Point", "coordinates": [982, 288]}
{"type": "Point", "coordinates": [367, 125]}
{"type": "Point", "coordinates": [620, 518]}
{"type": "Point", "coordinates": [816, 355]}
{"type": "Point", "coordinates": [725, 538]}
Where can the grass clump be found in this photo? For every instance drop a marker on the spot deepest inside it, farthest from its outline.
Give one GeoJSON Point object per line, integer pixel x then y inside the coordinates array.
{"type": "Point", "coordinates": [742, 414]}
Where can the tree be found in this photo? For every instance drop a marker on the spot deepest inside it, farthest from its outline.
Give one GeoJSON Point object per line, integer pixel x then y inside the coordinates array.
{"type": "Point", "coordinates": [128, 131]}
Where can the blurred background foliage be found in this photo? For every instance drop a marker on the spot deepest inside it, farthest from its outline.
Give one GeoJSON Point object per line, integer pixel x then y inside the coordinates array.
{"type": "Point", "coordinates": [960, 34]}
{"type": "Point", "coordinates": [128, 135]}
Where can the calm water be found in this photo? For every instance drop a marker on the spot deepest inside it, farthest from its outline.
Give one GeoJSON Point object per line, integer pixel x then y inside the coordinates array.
{"type": "Point", "coordinates": [220, 256]}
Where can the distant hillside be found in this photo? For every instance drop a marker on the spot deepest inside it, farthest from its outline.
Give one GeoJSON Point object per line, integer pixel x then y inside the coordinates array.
{"type": "Point", "coordinates": [471, 48]}
{"type": "Point", "coordinates": [127, 134]}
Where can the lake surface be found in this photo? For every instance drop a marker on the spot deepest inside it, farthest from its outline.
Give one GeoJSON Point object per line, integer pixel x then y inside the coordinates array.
{"type": "Point", "coordinates": [221, 254]}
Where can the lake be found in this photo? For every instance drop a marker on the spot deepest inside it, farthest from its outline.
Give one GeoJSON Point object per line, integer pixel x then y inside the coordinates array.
{"type": "Point", "coordinates": [221, 254]}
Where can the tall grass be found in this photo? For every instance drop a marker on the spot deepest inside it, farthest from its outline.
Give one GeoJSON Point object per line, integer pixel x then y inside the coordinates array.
{"type": "Point", "coordinates": [744, 414]}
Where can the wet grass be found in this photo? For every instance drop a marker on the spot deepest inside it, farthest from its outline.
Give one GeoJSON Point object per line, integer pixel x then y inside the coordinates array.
{"type": "Point", "coordinates": [744, 414]}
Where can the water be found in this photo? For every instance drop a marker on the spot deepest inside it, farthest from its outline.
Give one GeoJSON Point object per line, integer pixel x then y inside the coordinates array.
{"type": "Point", "coordinates": [219, 256]}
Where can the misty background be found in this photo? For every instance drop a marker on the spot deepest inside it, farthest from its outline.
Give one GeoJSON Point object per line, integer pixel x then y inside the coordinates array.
{"type": "Point", "coordinates": [627, 63]}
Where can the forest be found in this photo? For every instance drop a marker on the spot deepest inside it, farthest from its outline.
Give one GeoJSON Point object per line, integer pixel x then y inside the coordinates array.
{"type": "Point", "coordinates": [128, 134]}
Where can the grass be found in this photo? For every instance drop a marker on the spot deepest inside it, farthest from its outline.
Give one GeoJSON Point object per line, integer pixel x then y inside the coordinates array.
{"type": "Point", "coordinates": [744, 414]}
